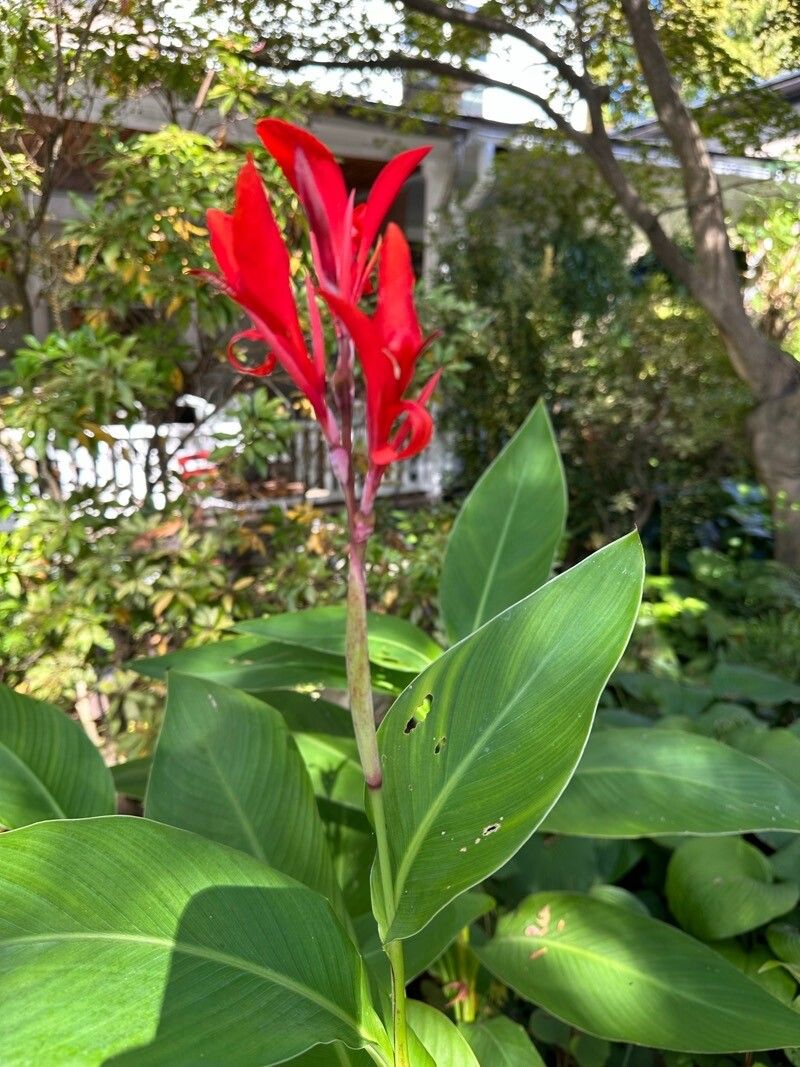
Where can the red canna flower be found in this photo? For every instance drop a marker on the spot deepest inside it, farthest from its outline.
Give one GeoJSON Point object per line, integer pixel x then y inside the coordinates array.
{"type": "Point", "coordinates": [255, 269]}
{"type": "Point", "coordinates": [388, 345]}
{"type": "Point", "coordinates": [342, 234]}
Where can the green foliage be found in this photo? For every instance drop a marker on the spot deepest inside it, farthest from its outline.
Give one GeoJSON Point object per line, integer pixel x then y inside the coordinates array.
{"type": "Point", "coordinates": [133, 244]}
{"type": "Point", "coordinates": [214, 787]}
{"type": "Point", "coordinates": [743, 610]}
{"type": "Point", "coordinates": [683, 784]}
{"type": "Point", "coordinates": [643, 398]}
{"type": "Point", "coordinates": [488, 733]}
{"type": "Point", "coordinates": [285, 974]}
{"type": "Point", "coordinates": [768, 232]}
{"type": "Point", "coordinates": [264, 431]}
{"type": "Point", "coordinates": [49, 768]}
{"type": "Point", "coordinates": [392, 643]}
{"type": "Point", "coordinates": [68, 387]}
{"type": "Point", "coordinates": [721, 888]}
{"type": "Point", "coordinates": [81, 595]}
{"type": "Point", "coordinates": [514, 256]}
{"type": "Point", "coordinates": [121, 268]}
{"type": "Point", "coordinates": [687, 997]}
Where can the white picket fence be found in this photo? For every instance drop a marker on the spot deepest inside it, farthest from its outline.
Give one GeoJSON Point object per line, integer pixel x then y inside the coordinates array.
{"type": "Point", "coordinates": [142, 466]}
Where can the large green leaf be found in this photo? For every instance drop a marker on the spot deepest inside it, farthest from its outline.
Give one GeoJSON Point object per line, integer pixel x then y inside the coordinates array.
{"type": "Point", "coordinates": [625, 977]}
{"type": "Point", "coordinates": [124, 941]}
{"type": "Point", "coordinates": [480, 746]}
{"type": "Point", "coordinates": [49, 769]}
{"type": "Point", "coordinates": [255, 665]}
{"type": "Point", "coordinates": [351, 843]}
{"type": "Point", "coordinates": [638, 782]}
{"type": "Point", "coordinates": [308, 713]}
{"type": "Point", "coordinates": [499, 1042]}
{"type": "Point", "coordinates": [226, 767]}
{"type": "Point", "coordinates": [550, 861]}
{"type": "Point", "coordinates": [758, 963]}
{"type": "Point", "coordinates": [332, 1056]}
{"type": "Point", "coordinates": [507, 532]}
{"type": "Point", "coordinates": [393, 643]}
{"type": "Point", "coordinates": [443, 1041]}
{"type": "Point", "coordinates": [724, 887]}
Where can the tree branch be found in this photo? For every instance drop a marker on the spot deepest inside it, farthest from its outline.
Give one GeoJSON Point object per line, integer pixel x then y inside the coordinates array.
{"type": "Point", "coordinates": [578, 81]}
{"type": "Point", "coordinates": [399, 61]}
{"type": "Point", "coordinates": [716, 285]}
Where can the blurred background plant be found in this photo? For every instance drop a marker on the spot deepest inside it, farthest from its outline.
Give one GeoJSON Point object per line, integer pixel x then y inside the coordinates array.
{"type": "Point", "coordinates": [81, 595]}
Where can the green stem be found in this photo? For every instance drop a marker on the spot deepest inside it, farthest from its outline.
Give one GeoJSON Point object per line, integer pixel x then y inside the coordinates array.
{"type": "Point", "coordinates": [394, 950]}
{"type": "Point", "coordinates": [359, 680]}
{"type": "Point", "coordinates": [363, 714]}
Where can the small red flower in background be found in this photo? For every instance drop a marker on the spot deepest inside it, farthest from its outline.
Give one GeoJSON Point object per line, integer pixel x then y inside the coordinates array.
{"type": "Point", "coordinates": [255, 272]}
{"type": "Point", "coordinates": [197, 465]}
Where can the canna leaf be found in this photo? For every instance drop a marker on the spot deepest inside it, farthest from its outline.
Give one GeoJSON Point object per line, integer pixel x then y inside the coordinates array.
{"type": "Point", "coordinates": [49, 769]}
{"type": "Point", "coordinates": [625, 977]}
{"type": "Point", "coordinates": [480, 746]}
{"type": "Point", "coordinates": [505, 537]}
{"type": "Point", "coordinates": [227, 768]}
{"type": "Point", "coordinates": [640, 782]}
{"type": "Point", "coordinates": [219, 954]}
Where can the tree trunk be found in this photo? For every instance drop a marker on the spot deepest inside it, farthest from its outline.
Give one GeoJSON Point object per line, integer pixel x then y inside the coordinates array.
{"type": "Point", "coordinates": [773, 426]}
{"type": "Point", "coordinates": [771, 374]}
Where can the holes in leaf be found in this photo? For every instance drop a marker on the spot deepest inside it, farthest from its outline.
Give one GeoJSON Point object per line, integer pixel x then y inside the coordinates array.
{"type": "Point", "coordinates": [440, 743]}
{"type": "Point", "coordinates": [421, 712]}
{"type": "Point", "coordinates": [492, 828]}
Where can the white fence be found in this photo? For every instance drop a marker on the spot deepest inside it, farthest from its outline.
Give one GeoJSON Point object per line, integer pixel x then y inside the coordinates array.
{"type": "Point", "coordinates": [142, 466]}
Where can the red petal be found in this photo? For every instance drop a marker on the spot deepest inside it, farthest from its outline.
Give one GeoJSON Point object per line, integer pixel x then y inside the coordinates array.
{"type": "Point", "coordinates": [262, 260]}
{"type": "Point", "coordinates": [317, 332]}
{"type": "Point", "coordinates": [382, 385]}
{"type": "Point", "coordinates": [284, 141]}
{"type": "Point", "coordinates": [417, 425]}
{"type": "Point", "coordinates": [396, 315]}
{"type": "Point", "coordinates": [268, 365]}
{"type": "Point", "coordinates": [383, 194]}
{"type": "Point", "coordinates": [220, 229]}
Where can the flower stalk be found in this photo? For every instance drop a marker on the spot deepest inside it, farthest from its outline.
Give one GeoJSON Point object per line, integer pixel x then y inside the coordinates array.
{"type": "Point", "coordinates": [351, 259]}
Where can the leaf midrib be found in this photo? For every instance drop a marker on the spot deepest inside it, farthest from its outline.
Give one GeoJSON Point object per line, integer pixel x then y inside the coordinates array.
{"type": "Point", "coordinates": [41, 788]}
{"type": "Point", "coordinates": [244, 821]}
{"type": "Point", "coordinates": [496, 558]}
{"type": "Point", "coordinates": [198, 952]}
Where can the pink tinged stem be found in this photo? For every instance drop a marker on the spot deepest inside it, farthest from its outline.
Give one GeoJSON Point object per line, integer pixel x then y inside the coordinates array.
{"type": "Point", "coordinates": [372, 484]}
{"type": "Point", "coordinates": [359, 679]}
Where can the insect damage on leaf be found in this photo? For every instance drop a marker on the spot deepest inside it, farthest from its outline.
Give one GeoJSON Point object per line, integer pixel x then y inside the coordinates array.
{"type": "Point", "coordinates": [542, 924]}
{"type": "Point", "coordinates": [421, 712]}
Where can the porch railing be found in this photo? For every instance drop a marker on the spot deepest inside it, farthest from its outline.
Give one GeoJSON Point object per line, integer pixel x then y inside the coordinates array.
{"type": "Point", "coordinates": [142, 466]}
